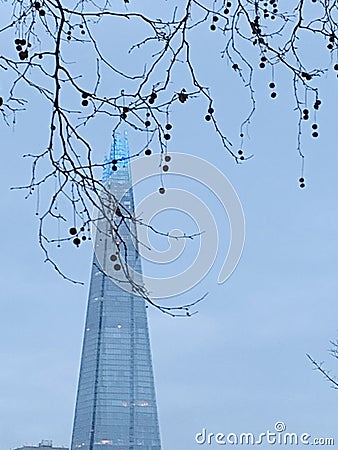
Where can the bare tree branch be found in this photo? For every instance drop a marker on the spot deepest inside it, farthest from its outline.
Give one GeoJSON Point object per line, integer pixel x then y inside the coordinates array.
{"type": "Point", "coordinates": [50, 37]}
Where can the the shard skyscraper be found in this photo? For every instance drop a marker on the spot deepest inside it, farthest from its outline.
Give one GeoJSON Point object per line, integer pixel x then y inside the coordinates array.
{"type": "Point", "coordinates": [116, 404]}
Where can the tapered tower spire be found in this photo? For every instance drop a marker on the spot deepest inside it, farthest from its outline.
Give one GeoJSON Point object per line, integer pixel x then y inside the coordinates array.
{"type": "Point", "coordinates": [119, 155]}
{"type": "Point", "coordinates": [116, 404]}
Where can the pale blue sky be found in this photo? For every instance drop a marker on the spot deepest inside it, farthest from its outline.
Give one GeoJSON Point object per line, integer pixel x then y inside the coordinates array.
{"type": "Point", "coordinates": [240, 364]}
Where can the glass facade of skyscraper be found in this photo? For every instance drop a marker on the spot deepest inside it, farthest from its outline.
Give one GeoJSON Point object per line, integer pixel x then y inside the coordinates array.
{"type": "Point", "coordinates": [116, 403]}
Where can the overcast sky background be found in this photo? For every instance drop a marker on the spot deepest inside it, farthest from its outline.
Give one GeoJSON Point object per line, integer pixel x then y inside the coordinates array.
{"type": "Point", "coordinates": [240, 364]}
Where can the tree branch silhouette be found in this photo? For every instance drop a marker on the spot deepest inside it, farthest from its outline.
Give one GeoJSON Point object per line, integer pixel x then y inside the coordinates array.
{"type": "Point", "coordinates": [51, 36]}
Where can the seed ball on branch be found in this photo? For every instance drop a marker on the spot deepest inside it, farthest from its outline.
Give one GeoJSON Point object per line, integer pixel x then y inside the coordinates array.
{"type": "Point", "coordinates": [182, 96]}
{"type": "Point", "coordinates": [152, 98]}
{"type": "Point", "coordinates": [317, 104]}
{"type": "Point", "coordinates": [23, 55]}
